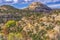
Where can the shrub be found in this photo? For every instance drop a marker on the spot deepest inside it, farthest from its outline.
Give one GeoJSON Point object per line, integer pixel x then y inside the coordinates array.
{"type": "Point", "coordinates": [14, 36]}
{"type": "Point", "coordinates": [10, 23]}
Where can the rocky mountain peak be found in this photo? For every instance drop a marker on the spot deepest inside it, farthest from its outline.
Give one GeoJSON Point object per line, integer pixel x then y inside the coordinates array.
{"type": "Point", "coordinates": [37, 6]}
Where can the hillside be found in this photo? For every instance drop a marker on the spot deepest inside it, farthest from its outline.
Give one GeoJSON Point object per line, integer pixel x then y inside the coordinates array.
{"type": "Point", "coordinates": [38, 7]}
{"type": "Point", "coordinates": [8, 12]}
{"type": "Point", "coordinates": [36, 22]}
{"type": "Point", "coordinates": [7, 8]}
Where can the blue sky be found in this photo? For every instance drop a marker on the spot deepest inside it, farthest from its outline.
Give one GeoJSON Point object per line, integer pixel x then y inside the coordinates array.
{"type": "Point", "coordinates": [25, 3]}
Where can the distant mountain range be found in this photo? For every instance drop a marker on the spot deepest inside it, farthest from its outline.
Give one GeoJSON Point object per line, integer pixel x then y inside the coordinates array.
{"type": "Point", "coordinates": [8, 12]}
{"type": "Point", "coordinates": [35, 6]}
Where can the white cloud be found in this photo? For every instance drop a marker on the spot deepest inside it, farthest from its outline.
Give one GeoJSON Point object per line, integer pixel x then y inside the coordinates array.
{"type": "Point", "coordinates": [27, 0]}
{"type": "Point", "coordinates": [47, 1]}
{"type": "Point", "coordinates": [12, 1]}
{"type": "Point", "coordinates": [8, 0]}
{"type": "Point", "coordinates": [54, 5]}
{"type": "Point", "coordinates": [15, 1]}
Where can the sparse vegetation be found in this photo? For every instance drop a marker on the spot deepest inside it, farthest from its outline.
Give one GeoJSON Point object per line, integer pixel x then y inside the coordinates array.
{"type": "Point", "coordinates": [29, 25]}
{"type": "Point", "coordinates": [10, 23]}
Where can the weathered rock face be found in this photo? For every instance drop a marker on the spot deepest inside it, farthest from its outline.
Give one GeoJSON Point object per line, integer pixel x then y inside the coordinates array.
{"type": "Point", "coordinates": [37, 6]}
